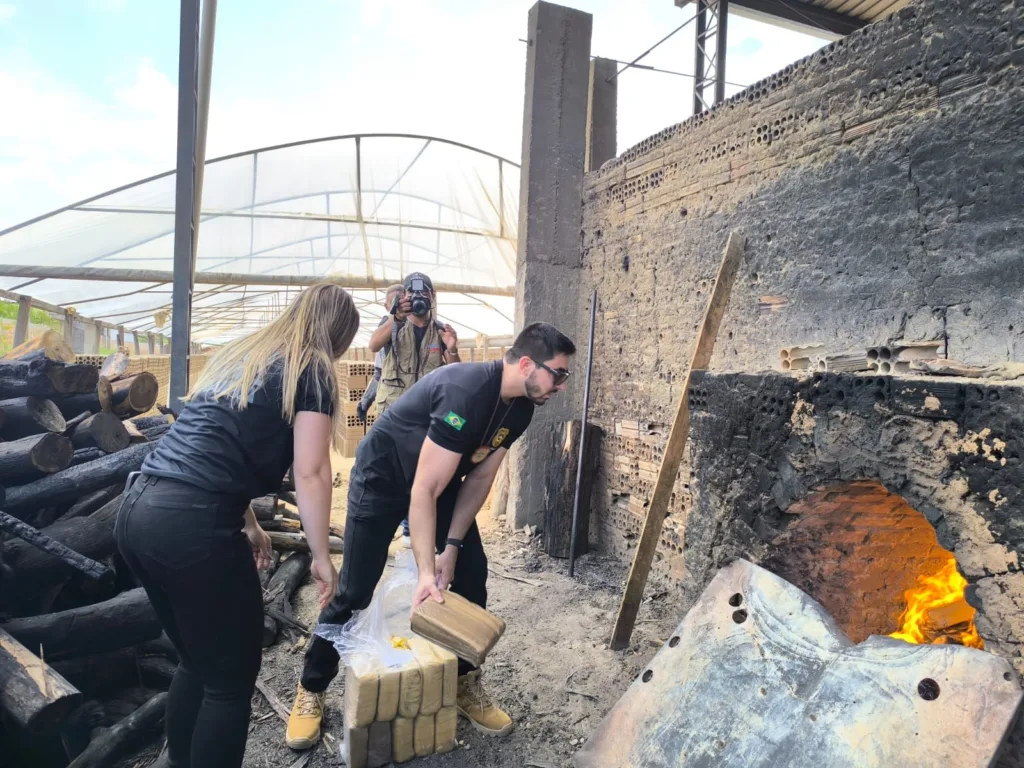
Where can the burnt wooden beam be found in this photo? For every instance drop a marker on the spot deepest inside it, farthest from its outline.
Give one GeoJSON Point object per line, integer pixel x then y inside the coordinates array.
{"type": "Point", "coordinates": [129, 733]}
{"type": "Point", "coordinates": [31, 692]}
{"type": "Point", "coordinates": [69, 485]}
{"type": "Point", "coordinates": [41, 541]}
{"type": "Point", "coordinates": [32, 457]}
{"type": "Point", "coordinates": [127, 619]}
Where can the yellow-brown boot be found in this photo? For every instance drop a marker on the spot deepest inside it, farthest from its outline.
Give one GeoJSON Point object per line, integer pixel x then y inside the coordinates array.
{"type": "Point", "coordinates": [304, 722]}
{"type": "Point", "coordinates": [476, 706]}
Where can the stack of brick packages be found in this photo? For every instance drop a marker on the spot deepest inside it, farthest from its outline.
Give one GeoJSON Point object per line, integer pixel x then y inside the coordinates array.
{"type": "Point", "coordinates": [353, 378]}
{"type": "Point", "coordinates": [396, 714]}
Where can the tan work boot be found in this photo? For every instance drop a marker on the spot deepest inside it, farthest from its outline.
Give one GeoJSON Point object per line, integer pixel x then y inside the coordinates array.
{"type": "Point", "coordinates": [304, 722]}
{"type": "Point", "coordinates": [476, 706]}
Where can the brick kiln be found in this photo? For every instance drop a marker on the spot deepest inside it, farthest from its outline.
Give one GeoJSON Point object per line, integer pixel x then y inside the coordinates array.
{"type": "Point", "coordinates": [877, 185]}
{"type": "Point", "coordinates": [870, 493]}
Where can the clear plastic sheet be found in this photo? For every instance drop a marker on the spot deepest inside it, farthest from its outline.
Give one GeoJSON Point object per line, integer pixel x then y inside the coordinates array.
{"type": "Point", "coordinates": [379, 634]}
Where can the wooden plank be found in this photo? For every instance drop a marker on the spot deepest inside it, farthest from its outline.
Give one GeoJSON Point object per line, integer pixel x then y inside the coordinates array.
{"type": "Point", "coordinates": [673, 455]}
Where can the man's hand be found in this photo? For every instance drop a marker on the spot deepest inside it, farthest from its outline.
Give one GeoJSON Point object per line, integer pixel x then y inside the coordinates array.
{"type": "Point", "coordinates": [404, 308]}
{"type": "Point", "coordinates": [450, 338]}
{"type": "Point", "coordinates": [426, 589]}
{"type": "Point", "coordinates": [326, 578]}
{"type": "Point", "coordinates": [444, 567]}
{"type": "Point", "coordinates": [261, 548]}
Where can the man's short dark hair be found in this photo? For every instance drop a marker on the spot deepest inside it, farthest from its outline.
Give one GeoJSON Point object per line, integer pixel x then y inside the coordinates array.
{"type": "Point", "coordinates": [540, 342]}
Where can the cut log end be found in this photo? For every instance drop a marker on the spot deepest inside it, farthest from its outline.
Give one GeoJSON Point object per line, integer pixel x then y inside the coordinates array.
{"type": "Point", "coordinates": [135, 395]}
{"type": "Point", "coordinates": [26, 416]}
{"type": "Point", "coordinates": [51, 453]}
{"type": "Point", "coordinates": [102, 430]}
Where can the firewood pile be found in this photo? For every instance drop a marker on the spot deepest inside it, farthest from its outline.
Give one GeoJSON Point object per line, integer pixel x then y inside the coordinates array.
{"type": "Point", "coordinates": [84, 665]}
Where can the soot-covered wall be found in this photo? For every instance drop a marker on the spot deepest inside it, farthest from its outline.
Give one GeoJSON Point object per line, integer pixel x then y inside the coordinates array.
{"type": "Point", "coordinates": [878, 185]}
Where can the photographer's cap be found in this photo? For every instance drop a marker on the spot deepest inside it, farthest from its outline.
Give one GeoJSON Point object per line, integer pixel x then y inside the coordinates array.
{"type": "Point", "coordinates": [413, 275]}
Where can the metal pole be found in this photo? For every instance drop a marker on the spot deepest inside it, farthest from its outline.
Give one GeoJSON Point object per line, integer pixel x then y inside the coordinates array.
{"type": "Point", "coordinates": [721, 46]}
{"type": "Point", "coordinates": [184, 200]}
{"type": "Point", "coordinates": [583, 434]}
{"type": "Point", "coordinates": [206, 36]}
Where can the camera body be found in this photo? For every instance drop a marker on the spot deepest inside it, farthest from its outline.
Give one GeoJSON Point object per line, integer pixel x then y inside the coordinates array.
{"type": "Point", "coordinates": [419, 297]}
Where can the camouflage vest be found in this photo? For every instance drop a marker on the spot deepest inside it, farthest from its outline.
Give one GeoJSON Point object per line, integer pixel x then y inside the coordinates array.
{"type": "Point", "coordinates": [404, 364]}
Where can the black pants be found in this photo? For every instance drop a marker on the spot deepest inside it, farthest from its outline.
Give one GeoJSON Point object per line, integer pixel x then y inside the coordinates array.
{"type": "Point", "coordinates": [187, 548]}
{"type": "Point", "coordinates": [373, 514]}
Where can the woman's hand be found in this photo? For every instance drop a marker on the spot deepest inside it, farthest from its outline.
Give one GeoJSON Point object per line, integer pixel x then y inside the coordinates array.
{"type": "Point", "coordinates": [326, 577]}
{"type": "Point", "coordinates": [426, 589]}
{"type": "Point", "coordinates": [262, 551]}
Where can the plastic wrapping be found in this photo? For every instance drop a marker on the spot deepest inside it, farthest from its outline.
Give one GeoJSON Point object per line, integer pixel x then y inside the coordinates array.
{"type": "Point", "coordinates": [379, 635]}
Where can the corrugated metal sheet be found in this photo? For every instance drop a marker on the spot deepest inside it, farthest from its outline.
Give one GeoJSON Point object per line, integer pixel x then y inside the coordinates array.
{"type": "Point", "coordinates": [866, 10]}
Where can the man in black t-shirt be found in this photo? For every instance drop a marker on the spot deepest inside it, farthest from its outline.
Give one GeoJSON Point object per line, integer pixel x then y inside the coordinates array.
{"type": "Point", "coordinates": [434, 455]}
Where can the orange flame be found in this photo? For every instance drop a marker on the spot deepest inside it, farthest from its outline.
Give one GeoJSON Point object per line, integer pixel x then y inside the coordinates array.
{"type": "Point", "coordinates": [925, 622]}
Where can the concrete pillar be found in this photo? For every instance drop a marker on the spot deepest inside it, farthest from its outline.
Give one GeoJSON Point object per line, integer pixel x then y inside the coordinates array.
{"type": "Point", "coordinates": [120, 336]}
{"type": "Point", "coordinates": [97, 339]}
{"type": "Point", "coordinates": [22, 323]}
{"type": "Point", "coordinates": [152, 343]}
{"type": "Point", "coordinates": [602, 113]}
{"type": "Point", "coordinates": [550, 213]}
{"type": "Point", "coordinates": [69, 328]}
{"type": "Point", "coordinates": [135, 338]}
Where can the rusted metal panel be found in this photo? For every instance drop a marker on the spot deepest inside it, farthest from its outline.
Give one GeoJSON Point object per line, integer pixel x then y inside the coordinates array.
{"type": "Point", "coordinates": [759, 676]}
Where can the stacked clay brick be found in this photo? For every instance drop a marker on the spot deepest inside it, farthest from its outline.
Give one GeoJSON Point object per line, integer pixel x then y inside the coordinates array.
{"type": "Point", "coordinates": [352, 377]}
{"type": "Point", "coordinates": [396, 714]}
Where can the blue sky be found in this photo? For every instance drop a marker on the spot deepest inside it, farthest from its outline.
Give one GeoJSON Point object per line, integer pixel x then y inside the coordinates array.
{"type": "Point", "coordinates": [89, 86]}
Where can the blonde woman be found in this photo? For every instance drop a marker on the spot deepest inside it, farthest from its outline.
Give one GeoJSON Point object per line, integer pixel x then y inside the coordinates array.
{"type": "Point", "coordinates": [186, 529]}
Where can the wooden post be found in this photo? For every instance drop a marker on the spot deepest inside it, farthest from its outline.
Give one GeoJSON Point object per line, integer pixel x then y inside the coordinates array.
{"type": "Point", "coordinates": [22, 323]}
{"type": "Point", "coordinates": [98, 330]}
{"type": "Point", "coordinates": [150, 341]}
{"type": "Point", "coordinates": [561, 488]}
{"type": "Point", "coordinates": [69, 329]}
{"type": "Point", "coordinates": [673, 455]}
{"type": "Point", "coordinates": [120, 336]}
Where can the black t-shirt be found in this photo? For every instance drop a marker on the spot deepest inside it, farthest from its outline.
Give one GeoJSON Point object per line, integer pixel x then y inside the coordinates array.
{"type": "Point", "coordinates": [460, 408]}
{"type": "Point", "coordinates": [243, 453]}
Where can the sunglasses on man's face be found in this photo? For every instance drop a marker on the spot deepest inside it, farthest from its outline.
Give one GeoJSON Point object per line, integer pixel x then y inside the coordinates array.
{"type": "Point", "coordinates": [559, 376]}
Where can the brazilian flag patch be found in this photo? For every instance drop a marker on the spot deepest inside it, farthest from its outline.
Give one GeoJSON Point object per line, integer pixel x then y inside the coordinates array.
{"type": "Point", "coordinates": [454, 420]}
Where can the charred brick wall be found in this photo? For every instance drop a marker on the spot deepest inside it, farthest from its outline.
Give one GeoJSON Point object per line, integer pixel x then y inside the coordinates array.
{"type": "Point", "coordinates": [878, 185]}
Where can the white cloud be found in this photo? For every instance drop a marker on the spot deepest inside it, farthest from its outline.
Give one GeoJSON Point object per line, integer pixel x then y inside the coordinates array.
{"type": "Point", "coordinates": [7, 11]}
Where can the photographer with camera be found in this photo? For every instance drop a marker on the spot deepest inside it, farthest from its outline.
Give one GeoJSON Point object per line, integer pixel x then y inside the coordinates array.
{"type": "Point", "coordinates": [414, 342]}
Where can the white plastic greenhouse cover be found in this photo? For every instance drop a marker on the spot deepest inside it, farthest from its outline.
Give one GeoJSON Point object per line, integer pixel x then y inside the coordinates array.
{"type": "Point", "coordinates": [369, 207]}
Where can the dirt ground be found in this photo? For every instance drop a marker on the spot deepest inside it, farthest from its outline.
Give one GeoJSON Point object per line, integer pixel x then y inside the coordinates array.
{"type": "Point", "coordinates": [551, 671]}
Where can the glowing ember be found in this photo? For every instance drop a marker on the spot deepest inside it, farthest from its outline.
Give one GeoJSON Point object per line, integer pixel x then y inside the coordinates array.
{"type": "Point", "coordinates": [936, 611]}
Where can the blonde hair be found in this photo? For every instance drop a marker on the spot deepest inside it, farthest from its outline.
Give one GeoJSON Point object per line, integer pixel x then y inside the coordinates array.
{"type": "Point", "coordinates": [311, 334]}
